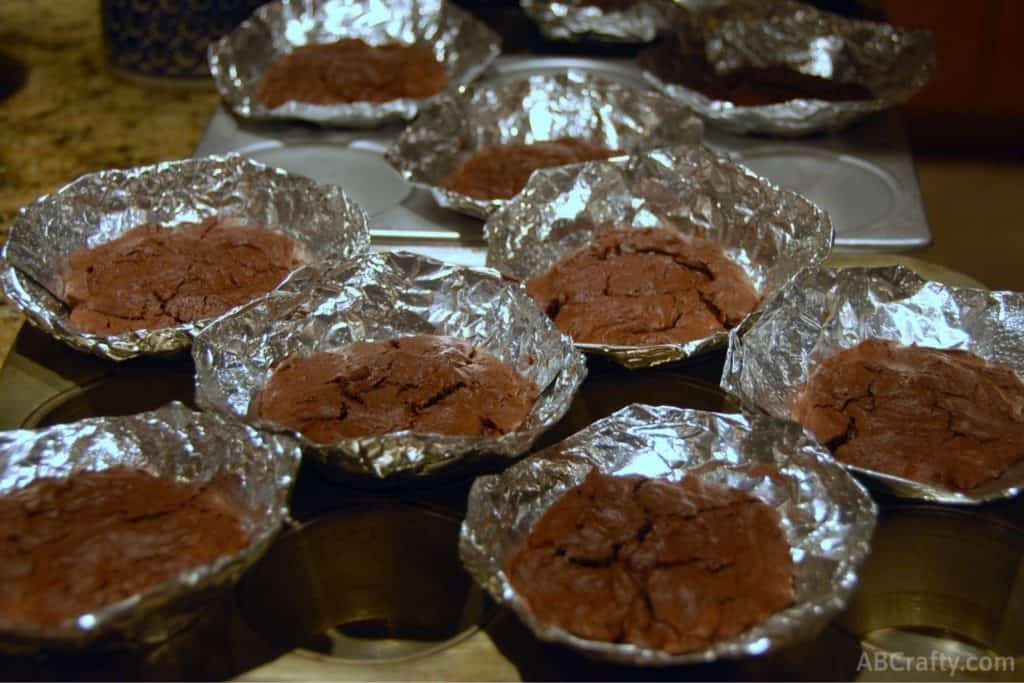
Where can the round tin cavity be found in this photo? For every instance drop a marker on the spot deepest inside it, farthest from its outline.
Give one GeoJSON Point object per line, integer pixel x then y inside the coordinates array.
{"type": "Point", "coordinates": [373, 582]}
{"type": "Point", "coordinates": [945, 585]}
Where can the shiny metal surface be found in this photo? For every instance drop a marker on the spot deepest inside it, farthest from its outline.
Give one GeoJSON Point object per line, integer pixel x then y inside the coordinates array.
{"type": "Point", "coordinates": [382, 296]}
{"type": "Point", "coordinates": [826, 516]}
{"type": "Point", "coordinates": [878, 146]}
{"type": "Point", "coordinates": [239, 59]}
{"type": "Point", "coordinates": [173, 442]}
{"type": "Point", "coordinates": [825, 310]}
{"type": "Point", "coordinates": [100, 207]}
{"type": "Point", "coordinates": [530, 109]}
{"type": "Point", "coordinates": [770, 233]}
{"type": "Point", "coordinates": [891, 63]}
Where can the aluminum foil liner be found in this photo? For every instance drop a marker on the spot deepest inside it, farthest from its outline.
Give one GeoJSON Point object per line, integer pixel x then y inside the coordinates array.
{"type": "Point", "coordinates": [239, 59]}
{"type": "Point", "coordinates": [893, 64]}
{"type": "Point", "coordinates": [99, 207]}
{"type": "Point", "coordinates": [569, 20]}
{"type": "Point", "coordinates": [174, 442]}
{"type": "Point", "coordinates": [827, 517]}
{"type": "Point", "coordinates": [544, 107]}
{"type": "Point", "coordinates": [382, 296]}
{"type": "Point", "coordinates": [771, 233]}
{"type": "Point", "coordinates": [826, 310]}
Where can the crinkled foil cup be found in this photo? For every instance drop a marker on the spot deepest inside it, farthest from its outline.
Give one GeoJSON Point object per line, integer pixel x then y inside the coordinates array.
{"type": "Point", "coordinates": [173, 442]}
{"type": "Point", "coordinates": [574, 21]}
{"type": "Point", "coordinates": [543, 107]}
{"type": "Point", "coordinates": [239, 59]}
{"type": "Point", "coordinates": [383, 296]}
{"type": "Point", "coordinates": [769, 232]}
{"type": "Point", "coordinates": [827, 517]}
{"type": "Point", "coordinates": [893, 64]}
{"type": "Point", "coordinates": [825, 310]}
{"type": "Point", "coordinates": [99, 207]}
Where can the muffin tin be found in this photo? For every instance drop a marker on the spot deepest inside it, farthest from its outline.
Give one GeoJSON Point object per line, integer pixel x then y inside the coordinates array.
{"type": "Point", "coordinates": [364, 615]}
{"type": "Point", "coordinates": [864, 177]}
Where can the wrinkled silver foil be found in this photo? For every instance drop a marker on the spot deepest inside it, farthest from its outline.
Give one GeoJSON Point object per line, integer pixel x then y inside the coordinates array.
{"type": "Point", "coordinates": [893, 64]}
{"type": "Point", "coordinates": [543, 107]}
{"type": "Point", "coordinates": [99, 207]}
{"type": "Point", "coordinates": [769, 232]}
{"type": "Point", "coordinates": [173, 442]}
{"type": "Point", "coordinates": [827, 517]}
{"type": "Point", "coordinates": [825, 310]}
{"type": "Point", "coordinates": [382, 296]}
{"type": "Point", "coordinates": [239, 59]}
{"type": "Point", "coordinates": [570, 20]}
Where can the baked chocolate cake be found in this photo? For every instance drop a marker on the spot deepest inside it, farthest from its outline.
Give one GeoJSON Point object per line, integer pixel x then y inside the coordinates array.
{"type": "Point", "coordinates": [152, 277]}
{"type": "Point", "coordinates": [72, 546]}
{"type": "Point", "coordinates": [668, 566]}
{"type": "Point", "coordinates": [942, 417]}
{"type": "Point", "coordinates": [349, 70]}
{"type": "Point", "coordinates": [423, 384]}
{"type": "Point", "coordinates": [644, 286]}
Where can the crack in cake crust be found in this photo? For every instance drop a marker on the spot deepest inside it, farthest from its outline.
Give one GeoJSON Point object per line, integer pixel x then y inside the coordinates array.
{"type": "Point", "coordinates": [942, 417]}
{"type": "Point", "coordinates": [674, 567]}
{"type": "Point", "coordinates": [153, 277]}
{"type": "Point", "coordinates": [423, 384]}
{"type": "Point", "coordinates": [644, 286]}
{"type": "Point", "coordinates": [70, 546]}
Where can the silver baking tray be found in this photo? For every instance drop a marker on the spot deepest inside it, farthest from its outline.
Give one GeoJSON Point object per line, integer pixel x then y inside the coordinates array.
{"type": "Point", "coordinates": [863, 176]}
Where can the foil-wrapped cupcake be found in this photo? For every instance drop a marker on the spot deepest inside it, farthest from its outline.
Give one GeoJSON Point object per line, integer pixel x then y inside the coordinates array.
{"type": "Point", "coordinates": [319, 221]}
{"type": "Point", "coordinates": [387, 296]}
{"type": "Point", "coordinates": [825, 516]}
{"type": "Point", "coordinates": [239, 60]}
{"type": "Point", "coordinates": [618, 21]}
{"type": "Point", "coordinates": [766, 233]}
{"type": "Point", "coordinates": [785, 68]}
{"type": "Point", "coordinates": [574, 106]}
{"type": "Point", "coordinates": [232, 473]}
{"type": "Point", "coordinates": [874, 317]}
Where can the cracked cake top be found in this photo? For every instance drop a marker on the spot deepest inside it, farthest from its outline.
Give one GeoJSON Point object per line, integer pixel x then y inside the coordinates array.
{"type": "Point", "coordinates": [644, 286]}
{"type": "Point", "coordinates": [152, 277]}
{"type": "Point", "coordinates": [939, 416]}
{"type": "Point", "coordinates": [670, 566]}
{"type": "Point", "coordinates": [424, 384]}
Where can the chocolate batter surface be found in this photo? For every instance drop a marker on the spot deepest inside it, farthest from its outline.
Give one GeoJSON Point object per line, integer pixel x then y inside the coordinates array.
{"type": "Point", "coordinates": [746, 87]}
{"type": "Point", "coordinates": [943, 417]}
{"type": "Point", "coordinates": [424, 384]}
{"type": "Point", "coordinates": [349, 70]}
{"type": "Point", "coordinates": [501, 171]}
{"type": "Point", "coordinates": [71, 546]}
{"type": "Point", "coordinates": [153, 277]}
{"type": "Point", "coordinates": [673, 567]}
{"type": "Point", "coordinates": [644, 286]}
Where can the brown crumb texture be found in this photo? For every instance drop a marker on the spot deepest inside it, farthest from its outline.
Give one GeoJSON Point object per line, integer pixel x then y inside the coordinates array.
{"type": "Point", "coordinates": [501, 171]}
{"type": "Point", "coordinates": [349, 70]}
{"type": "Point", "coordinates": [424, 384]}
{"type": "Point", "coordinates": [71, 546]}
{"type": "Point", "coordinates": [673, 567]}
{"type": "Point", "coordinates": [942, 417]}
{"type": "Point", "coordinates": [152, 277]}
{"type": "Point", "coordinates": [644, 286]}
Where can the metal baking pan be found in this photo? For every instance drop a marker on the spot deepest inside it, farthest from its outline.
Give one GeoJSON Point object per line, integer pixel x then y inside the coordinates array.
{"type": "Point", "coordinates": [863, 176]}
{"type": "Point", "coordinates": [320, 606]}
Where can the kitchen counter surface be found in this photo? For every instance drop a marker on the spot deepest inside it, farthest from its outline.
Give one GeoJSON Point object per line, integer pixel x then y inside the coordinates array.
{"type": "Point", "coordinates": [72, 116]}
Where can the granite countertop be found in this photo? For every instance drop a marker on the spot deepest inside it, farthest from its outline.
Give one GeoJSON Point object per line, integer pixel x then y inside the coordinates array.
{"type": "Point", "coordinates": [72, 116]}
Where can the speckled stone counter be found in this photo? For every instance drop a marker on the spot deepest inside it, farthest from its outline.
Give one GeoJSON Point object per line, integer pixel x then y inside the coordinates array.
{"type": "Point", "coordinates": [72, 116]}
